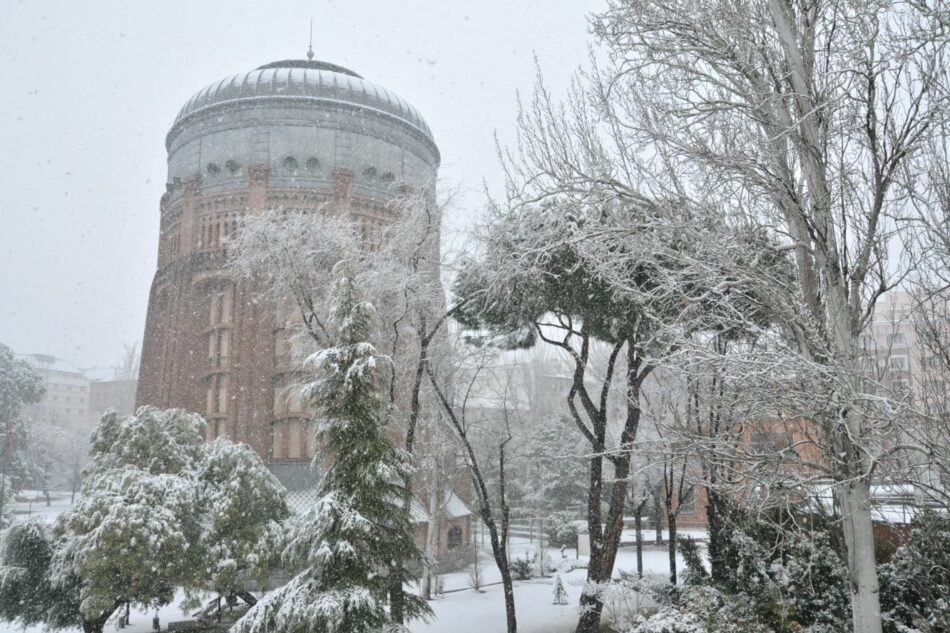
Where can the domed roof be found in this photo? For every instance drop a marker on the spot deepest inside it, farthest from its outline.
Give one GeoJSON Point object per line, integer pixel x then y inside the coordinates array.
{"type": "Point", "coordinates": [302, 80]}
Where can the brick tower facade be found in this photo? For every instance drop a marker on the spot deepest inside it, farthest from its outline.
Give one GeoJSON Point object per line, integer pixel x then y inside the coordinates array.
{"type": "Point", "coordinates": [293, 134]}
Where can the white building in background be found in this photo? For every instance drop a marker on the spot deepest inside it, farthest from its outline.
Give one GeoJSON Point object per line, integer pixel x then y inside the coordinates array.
{"type": "Point", "coordinates": [902, 357]}
{"type": "Point", "coordinates": [66, 401]}
{"type": "Point", "coordinates": [892, 340]}
{"type": "Point", "coordinates": [76, 397]}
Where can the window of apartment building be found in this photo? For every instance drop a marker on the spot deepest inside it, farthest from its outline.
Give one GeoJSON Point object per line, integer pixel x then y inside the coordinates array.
{"type": "Point", "coordinates": [932, 362]}
{"type": "Point", "coordinates": [901, 385]}
{"type": "Point", "coordinates": [937, 387]}
{"type": "Point", "coordinates": [768, 441]}
{"type": "Point", "coordinates": [897, 363]}
{"type": "Point", "coordinates": [897, 339]}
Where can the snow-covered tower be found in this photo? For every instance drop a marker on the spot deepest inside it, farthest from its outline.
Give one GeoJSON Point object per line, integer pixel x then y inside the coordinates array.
{"type": "Point", "coordinates": [292, 134]}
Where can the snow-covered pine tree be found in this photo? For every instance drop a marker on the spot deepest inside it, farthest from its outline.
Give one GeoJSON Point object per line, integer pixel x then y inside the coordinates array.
{"type": "Point", "coordinates": [360, 526]}
{"type": "Point", "coordinates": [26, 596]}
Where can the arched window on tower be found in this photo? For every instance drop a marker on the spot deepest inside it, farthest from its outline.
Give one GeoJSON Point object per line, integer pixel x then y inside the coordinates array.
{"type": "Point", "coordinates": [289, 165]}
{"type": "Point", "coordinates": [220, 313]}
{"type": "Point", "coordinates": [275, 448]}
{"type": "Point", "coordinates": [220, 318]}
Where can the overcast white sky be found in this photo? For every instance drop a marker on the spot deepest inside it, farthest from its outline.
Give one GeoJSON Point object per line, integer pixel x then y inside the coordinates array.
{"type": "Point", "coordinates": [91, 87]}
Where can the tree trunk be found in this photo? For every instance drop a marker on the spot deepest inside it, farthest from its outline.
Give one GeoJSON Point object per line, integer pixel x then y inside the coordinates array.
{"type": "Point", "coordinates": [432, 545]}
{"type": "Point", "coordinates": [853, 481]}
{"type": "Point", "coordinates": [671, 522]}
{"type": "Point", "coordinates": [638, 523]}
{"type": "Point", "coordinates": [500, 553]}
{"type": "Point", "coordinates": [591, 606]}
{"type": "Point", "coordinates": [498, 543]}
{"type": "Point", "coordinates": [605, 552]}
{"type": "Point", "coordinates": [716, 534]}
{"type": "Point", "coordinates": [396, 603]}
{"type": "Point", "coordinates": [99, 624]}
{"type": "Point", "coordinates": [858, 529]}
{"type": "Point", "coordinates": [658, 517]}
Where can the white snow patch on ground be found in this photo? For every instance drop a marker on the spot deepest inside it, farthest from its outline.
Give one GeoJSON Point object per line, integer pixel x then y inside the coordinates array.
{"type": "Point", "coordinates": [468, 611]}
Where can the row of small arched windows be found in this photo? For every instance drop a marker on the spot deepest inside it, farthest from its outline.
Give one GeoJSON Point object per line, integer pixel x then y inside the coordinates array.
{"type": "Point", "coordinates": [230, 165]}
{"type": "Point", "coordinates": [289, 165]}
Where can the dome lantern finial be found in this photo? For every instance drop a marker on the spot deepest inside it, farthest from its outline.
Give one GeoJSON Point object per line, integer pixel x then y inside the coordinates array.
{"type": "Point", "coordinates": [310, 48]}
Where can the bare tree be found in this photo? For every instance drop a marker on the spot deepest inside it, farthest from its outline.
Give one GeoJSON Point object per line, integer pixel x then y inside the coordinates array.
{"type": "Point", "coordinates": [929, 178]}
{"type": "Point", "coordinates": [493, 508]}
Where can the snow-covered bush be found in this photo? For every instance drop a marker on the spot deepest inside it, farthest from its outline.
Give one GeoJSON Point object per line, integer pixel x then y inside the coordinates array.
{"type": "Point", "coordinates": [624, 601]}
{"type": "Point", "coordinates": [915, 583]}
{"type": "Point", "coordinates": [136, 536]}
{"type": "Point", "coordinates": [561, 529]}
{"type": "Point", "coordinates": [708, 613]}
{"type": "Point", "coordinates": [795, 579]}
{"type": "Point", "coordinates": [522, 567]}
{"type": "Point", "coordinates": [815, 582]}
{"type": "Point", "coordinates": [670, 621]}
{"type": "Point", "coordinates": [160, 510]}
{"type": "Point", "coordinates": [792, 578]}
{"type": "Point", "coordinates": [242, 533]}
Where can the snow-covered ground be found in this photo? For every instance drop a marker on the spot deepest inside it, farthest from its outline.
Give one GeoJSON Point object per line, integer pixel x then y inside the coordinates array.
{"type": "Point", "coordinates": [461, 609]}
{"type": "Point", "coordinates": [32, 503]}
{"type": "Point", "coordinates": [468, 611]}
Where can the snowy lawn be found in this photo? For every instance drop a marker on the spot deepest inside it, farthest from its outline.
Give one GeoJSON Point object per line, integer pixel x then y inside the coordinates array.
{"type": "Point", "coordinates": [32, 503]}
{"type": "Point", "coordinates": [468, 611]}
{"type": "Point", "coordinates": [473, 612]}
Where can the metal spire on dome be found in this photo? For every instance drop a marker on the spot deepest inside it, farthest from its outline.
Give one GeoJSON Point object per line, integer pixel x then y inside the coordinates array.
{"type": "Point", "coordinates": [310, 48]}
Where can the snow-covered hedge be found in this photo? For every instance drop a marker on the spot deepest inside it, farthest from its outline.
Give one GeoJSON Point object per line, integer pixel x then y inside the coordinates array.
{"type": "Point", "coordinates": [915, 583]}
